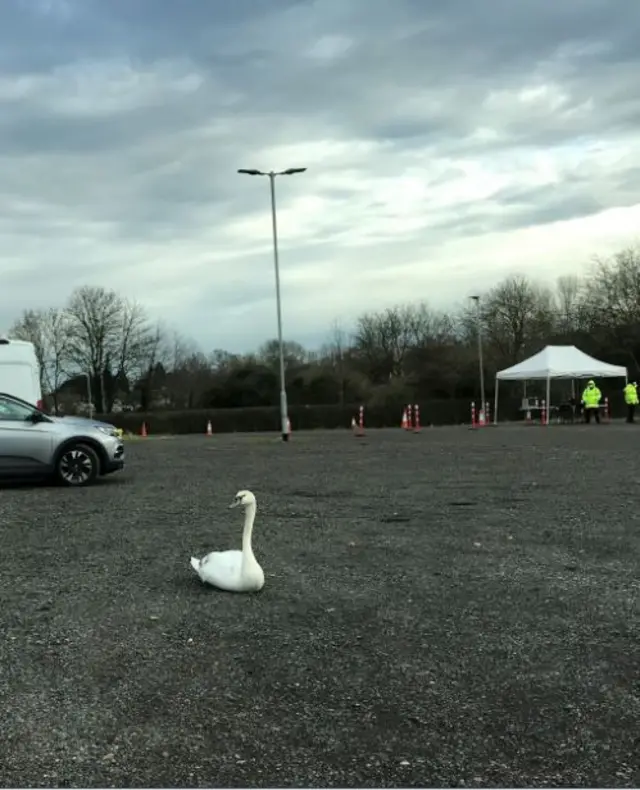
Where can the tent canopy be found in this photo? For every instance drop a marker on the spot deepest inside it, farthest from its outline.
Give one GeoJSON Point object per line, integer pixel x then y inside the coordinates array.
{"type": "Point", "coordinates": [561, 362]}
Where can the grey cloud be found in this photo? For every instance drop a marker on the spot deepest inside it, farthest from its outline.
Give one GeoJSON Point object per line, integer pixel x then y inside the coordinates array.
{"type": "Point", "coordinates": [461, 52]}
{"type": "Point", "coordinates": [557, 209]}
{"type": "Point", "coordinates": [453, 60]}
{"type": "Point", "coordinates": [418, 76]}
{"type": "Point", "coordinates": [524, 207]}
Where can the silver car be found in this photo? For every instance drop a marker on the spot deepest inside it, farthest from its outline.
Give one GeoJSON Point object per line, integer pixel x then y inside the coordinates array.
{"type": "Point", "coordinates": [73, 450]}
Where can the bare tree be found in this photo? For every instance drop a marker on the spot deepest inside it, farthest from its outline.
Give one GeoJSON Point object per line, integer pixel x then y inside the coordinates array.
{"type": "Point", "coordinates": [569, 303]}
{"type": "Point", "coordinates": [48, 331]}
{"type": "Point", "coordinates": [614, 288]}
{"type": "Point", "coordinates": [613, 300]}
{"type": "Point", "coordinates": [178, 348]}
{"type": "Point", "coordinates": [153, 378]}
{"type": "Point", "coordinates": [337, 343]}
{"type": "Point", "coordinates": [189, 371]}
{"type": "Point", "coordinates": [222, 361]}
{"type": "Point", "coordinates": [429, 327]}
{"type": "Point", "coordinates": [268, 354]}
{"type": "Point", "coordinates": [516, 315]}
{"type": "Point", "coordinates": [108, 336]}
{"type": "Point", "coordinates": [137, 343]}
{"type": "Point", "coordinates": [381, 341]}
{"type": "Point", "coordinates": [334, 356]}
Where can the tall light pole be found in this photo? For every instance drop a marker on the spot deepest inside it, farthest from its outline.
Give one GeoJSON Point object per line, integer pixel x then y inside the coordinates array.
{"type": "Point", "coordinates": [271, 174]}
{"type": "Point", "coordinates": [483, 402]}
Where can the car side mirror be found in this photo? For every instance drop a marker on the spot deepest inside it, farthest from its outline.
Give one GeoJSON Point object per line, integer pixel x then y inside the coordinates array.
{"type": "Point", "coordinates": [36, 417]}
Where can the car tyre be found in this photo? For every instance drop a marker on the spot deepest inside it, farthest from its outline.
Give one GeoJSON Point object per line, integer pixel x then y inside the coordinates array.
{"type": "Point", "coordinates": [77, 466]}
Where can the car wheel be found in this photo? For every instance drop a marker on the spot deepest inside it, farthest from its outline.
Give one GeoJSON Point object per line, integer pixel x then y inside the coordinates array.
{"type": "Point", "coordinates": [78, 465]}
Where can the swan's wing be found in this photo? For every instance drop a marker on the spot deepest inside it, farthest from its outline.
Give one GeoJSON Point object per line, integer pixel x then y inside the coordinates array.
{"type": "Point", "coordinates": [208, 558]}
{"type": "Point", "coordinates": [221, 558]}
{"type": "Point", "coordinates": [220, 567]}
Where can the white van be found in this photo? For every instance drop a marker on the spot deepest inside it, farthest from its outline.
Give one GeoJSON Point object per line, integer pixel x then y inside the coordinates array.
{"type": "Point", "coordinates": [19, 371]}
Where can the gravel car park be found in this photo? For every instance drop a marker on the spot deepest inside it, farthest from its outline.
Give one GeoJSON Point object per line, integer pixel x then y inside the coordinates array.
{"type": "Point", "coordinates": [453, 608]}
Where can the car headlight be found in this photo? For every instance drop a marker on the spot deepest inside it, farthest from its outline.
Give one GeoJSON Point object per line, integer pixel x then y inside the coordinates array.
{"type": "Point", "coordinates": [107, 429]}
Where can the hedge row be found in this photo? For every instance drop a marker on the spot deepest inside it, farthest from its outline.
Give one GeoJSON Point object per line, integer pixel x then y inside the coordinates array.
{"type": "Point", "coordinates": [434, 412]}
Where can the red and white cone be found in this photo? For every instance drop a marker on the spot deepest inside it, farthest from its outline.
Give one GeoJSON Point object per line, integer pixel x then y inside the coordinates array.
{"type": "Point", "coordinates": [360, 426]}
{"type": "Point", "coordinates": [416, 411]}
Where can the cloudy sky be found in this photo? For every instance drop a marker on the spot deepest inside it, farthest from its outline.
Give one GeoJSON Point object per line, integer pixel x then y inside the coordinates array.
{"type": "Point", "coordinates": [448, 143]}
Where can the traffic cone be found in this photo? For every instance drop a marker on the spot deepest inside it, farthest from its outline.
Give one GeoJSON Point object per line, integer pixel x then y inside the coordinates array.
{"type": "Point", "coordinates": [481, 420]}
{"type": "Point", "coordinates": [288, 426]}
{"type": "Point", "coordinates": [354, 425]}
{"type": "Point", "coordinates": [143, 430]}
{"type": "Point", "coordinates": [209, 428]}
{"type": "Point", "coordinates": [417, 427]}
{"type": "Point", "coordinates": [360, 423]}
{"type": "Point", "coordinates": [405, 422]}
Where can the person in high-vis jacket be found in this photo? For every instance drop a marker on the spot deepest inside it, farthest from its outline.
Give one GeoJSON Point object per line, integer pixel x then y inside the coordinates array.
{"type": "Point", "coordinates": [591, 401]}
{"type": "Point", "coordinates": [631, 399]}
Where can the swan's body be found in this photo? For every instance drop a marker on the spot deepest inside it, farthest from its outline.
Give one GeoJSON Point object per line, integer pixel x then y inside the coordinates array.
{"type": "Point", "coordinates": [235, 571]}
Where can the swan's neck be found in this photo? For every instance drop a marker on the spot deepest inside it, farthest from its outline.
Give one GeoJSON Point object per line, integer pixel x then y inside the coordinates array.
{"type": "Point", "coordinates": [249, 518]}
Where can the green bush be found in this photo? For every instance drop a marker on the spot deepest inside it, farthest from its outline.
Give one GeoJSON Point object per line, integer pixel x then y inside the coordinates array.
{"type": "Point", "coordinates": [303, 418]}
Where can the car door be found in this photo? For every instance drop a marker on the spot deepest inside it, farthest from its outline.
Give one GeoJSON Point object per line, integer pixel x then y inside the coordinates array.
{"type": "Point", "coordinates": [25, 447]}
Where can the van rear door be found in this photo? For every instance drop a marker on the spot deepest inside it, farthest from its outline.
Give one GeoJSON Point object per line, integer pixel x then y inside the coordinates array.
{"type": "Point", "coordinates": [21, 380]}
{"type": "Point", "coordinates": [20, 370]}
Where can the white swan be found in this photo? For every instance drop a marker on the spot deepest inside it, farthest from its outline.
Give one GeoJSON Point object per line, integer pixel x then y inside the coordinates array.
{"type": "Point", "coordinates": [235, 571]}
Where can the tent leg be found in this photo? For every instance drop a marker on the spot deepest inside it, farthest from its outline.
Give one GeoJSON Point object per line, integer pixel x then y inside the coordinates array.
{"type": "Point", "coordinates": [548, 399]}
{"type": "Point", "coordinates": [495, 404]}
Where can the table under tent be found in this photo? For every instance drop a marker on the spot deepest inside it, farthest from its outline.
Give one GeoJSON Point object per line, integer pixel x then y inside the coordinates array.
{"type": "Point", "coordinates": [557, 362]}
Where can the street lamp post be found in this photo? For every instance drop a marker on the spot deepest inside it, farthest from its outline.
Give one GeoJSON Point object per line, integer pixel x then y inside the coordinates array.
{"type": "Point", "coordinates": [483, 403]}
{"type": "Point", "coordinates": [271, 174]}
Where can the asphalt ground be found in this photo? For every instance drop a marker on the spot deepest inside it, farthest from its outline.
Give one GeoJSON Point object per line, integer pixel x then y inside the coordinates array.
{"type": "Point", "coordinates": [454, 608]}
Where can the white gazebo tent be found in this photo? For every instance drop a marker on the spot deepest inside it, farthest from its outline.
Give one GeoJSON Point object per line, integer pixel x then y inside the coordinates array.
{"type": "Point", "coordinates": [557, 362]}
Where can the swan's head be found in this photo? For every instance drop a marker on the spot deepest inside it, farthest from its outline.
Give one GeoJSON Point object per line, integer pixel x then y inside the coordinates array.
{"type": "Point", "coordinates": [243, 499]}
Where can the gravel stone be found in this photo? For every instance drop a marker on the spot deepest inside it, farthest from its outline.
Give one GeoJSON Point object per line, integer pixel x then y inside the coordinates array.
{"type": "Point", "coordinates": [455, 609]}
